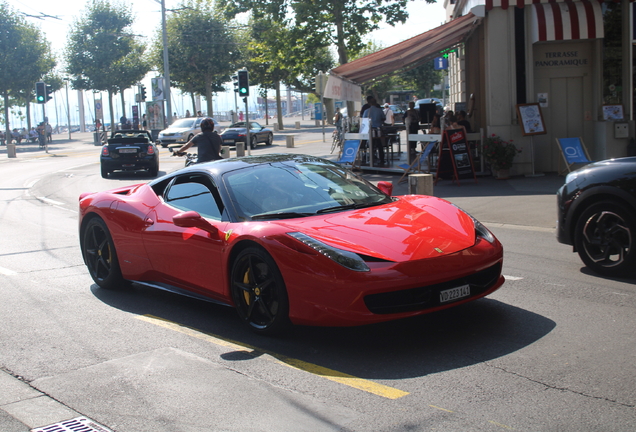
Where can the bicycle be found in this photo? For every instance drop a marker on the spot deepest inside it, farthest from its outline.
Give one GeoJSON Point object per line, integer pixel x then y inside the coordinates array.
{"type": "Point", "coordinates": [337, 141]}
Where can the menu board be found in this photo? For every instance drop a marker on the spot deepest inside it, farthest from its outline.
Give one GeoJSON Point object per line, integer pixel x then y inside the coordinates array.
{"type": "Point", "coordinates": [531, 119]}
{"type": "Point", "coordinates": [455, 160]}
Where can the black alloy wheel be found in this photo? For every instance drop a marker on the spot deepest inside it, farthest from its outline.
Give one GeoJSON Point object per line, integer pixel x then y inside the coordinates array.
{"type": "Point", "coordinates": [100, 255]}
{"type": "Point", "coordinates": [270, 139]}
{"type": "Point", "coordinates": [253, 142]}
{"type": "Point", "coordinates": [258, 291]}
{"type": "Point", "coordinates": [604, 238]}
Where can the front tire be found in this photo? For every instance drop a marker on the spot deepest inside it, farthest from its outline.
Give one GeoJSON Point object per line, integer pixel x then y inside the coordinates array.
{"type": "Point", "coordinates": [604, 238]}
{"type": "Point", "coordinates": [259, 292]}
{"type": "Point", "coordinates": [100, 256]}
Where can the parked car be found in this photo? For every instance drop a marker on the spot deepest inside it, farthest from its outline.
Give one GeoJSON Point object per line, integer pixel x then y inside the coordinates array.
{"type": "Point", "coordinates": [181, 131]}
{"type": "Point", "coordinates": [129, 150]}
{"type": "Point", "coordinates": [237, 132]}
{"type": "Point", "coordinates": [292, 238]}
{"type": "Point", "coordinates": [597, 215]}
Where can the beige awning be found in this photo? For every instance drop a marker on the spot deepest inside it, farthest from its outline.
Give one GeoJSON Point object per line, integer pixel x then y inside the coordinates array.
{"type": "Point", "coordinates": [410, 52]}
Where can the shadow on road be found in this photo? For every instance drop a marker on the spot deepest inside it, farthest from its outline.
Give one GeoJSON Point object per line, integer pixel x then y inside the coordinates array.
{"type": "Point", "coordinates": [455, 338]}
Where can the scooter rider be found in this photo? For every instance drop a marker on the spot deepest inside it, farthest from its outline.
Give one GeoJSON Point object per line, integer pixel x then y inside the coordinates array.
{"type": "Point", "coordinates": [207, 141]}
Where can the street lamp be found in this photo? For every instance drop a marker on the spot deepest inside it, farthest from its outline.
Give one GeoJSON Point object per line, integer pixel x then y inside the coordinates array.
{"type": "Point", "coordinates": [68, 109]}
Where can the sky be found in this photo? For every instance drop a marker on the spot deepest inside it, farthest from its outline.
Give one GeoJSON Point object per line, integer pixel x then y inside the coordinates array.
{"type": "Point", "coordinates": [422, 17]}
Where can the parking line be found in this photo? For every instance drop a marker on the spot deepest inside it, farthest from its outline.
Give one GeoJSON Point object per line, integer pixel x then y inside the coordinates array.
{"type": "Point", "coordinates": [330, 374]}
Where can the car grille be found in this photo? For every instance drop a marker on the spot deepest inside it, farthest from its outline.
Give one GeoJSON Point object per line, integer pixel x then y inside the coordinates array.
{"type": "Point", "coordinates": [427, 297]}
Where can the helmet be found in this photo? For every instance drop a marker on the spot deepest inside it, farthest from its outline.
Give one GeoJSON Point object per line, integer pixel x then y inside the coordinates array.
{"type": "Point", "coordinates": [207, 124]}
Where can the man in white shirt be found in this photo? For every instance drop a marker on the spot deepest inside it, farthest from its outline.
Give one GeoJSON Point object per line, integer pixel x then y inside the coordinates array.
{"type": "Point", "coordinates": [388, 114]}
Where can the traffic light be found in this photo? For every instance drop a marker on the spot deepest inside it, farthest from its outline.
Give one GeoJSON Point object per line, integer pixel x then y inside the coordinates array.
{"type": "Point", "coordinates": [235, 82]}
{"type": "Point", "coordinates": [49, 90]}
{"type": "Point", "coordinates": [142, 92]}
{"type": "Point", "coordinates": [243, 83]}
{"type": "Point", "coordinates": [313, 84]}
{"type": "Point", "coordinates": [40, 92]}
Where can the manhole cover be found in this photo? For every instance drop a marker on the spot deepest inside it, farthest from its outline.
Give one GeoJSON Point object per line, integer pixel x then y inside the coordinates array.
{"type": "Point", "coordinates": [79, 424]}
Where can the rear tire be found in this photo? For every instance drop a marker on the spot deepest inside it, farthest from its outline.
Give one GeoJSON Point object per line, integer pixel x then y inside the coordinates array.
{"type": "Point", "coordinates": [100, 256]}
{"type": "Point", "coordinates": [253, 142]}
{"type": "Point", "coordinates": [259, 292]}
{"type": "Point", "coordinates": [605, 237]}
{"type": "Point", "coordinates": [270, 139]}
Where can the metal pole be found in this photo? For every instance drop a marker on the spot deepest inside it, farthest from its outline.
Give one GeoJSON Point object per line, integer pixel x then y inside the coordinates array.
{"type": "Point", "coordinates": [166, 66]}
{"type": "Point", "coordinates": [248, 141]}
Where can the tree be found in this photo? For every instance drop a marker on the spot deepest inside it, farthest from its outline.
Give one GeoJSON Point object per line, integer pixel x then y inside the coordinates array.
{"type": "Point", "coordinates": [202, 49]}
{"type": "Point", "coordinates": [102, 53]}
{"type": "Point", "coordinates": [25, 57]}
{"type": "Point", "coordinates": [422, 78]}
{"type": "Point", "coordinates": [342, 23]}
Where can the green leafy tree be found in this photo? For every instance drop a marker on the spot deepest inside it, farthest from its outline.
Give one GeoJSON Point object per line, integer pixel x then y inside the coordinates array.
{"type": "Point", "coordinates": [102, 52]}
{"type": "Point", "coordinates": [25, 57]}
{"type": "Point", "coordinates": [422, 78]}
{"type": "Point", "coordinates": [202, 49]}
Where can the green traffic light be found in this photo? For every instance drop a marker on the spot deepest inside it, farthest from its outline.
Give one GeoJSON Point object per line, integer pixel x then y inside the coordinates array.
{"type": "Point", "coordinates": [243, 90]}
{"type": "Point", "coordinates": [40, 99]}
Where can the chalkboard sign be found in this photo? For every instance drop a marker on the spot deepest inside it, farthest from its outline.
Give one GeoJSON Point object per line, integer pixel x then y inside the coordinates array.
{"type": "Point", "coordinates": [455, 160]}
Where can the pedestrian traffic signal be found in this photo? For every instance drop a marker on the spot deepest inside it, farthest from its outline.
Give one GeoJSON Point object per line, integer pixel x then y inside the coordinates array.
{"type": "Point", "coordinates": [142, 92]}
{"type": "Point", "coordinates": [40, 92]}
{"type": "Point", "coordinates": [49, 90]}
{"type": "Point", "coordinates": [313, 84]}
{"type": "Point", "coordinates": [243, 83]}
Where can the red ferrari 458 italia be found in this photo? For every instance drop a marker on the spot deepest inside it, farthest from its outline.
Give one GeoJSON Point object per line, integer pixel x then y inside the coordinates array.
{"type": "Point", "coordinates": [289, 239]}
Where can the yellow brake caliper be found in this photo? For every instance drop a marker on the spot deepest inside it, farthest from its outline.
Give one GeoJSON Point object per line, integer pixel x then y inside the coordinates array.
{"type": "Point", "coordinates": [246, 280]}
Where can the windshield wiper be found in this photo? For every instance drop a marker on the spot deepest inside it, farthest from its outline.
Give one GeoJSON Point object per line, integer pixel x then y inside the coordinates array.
{"type": "Point", "coordinates": [281, 215]}
{"type": "Point", "coordinates": [348, 207]}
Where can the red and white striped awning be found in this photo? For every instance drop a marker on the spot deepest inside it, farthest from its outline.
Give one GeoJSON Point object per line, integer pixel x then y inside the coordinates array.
{"type": "Point", "coordinates": [570, 20]}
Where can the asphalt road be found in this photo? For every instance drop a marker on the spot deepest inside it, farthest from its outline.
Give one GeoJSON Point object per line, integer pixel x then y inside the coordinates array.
{"type": "Point", "coordinates": [552, 350]}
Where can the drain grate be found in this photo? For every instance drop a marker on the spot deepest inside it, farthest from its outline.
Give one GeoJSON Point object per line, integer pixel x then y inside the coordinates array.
{"type": "Point", "coordinates": [79, 424]}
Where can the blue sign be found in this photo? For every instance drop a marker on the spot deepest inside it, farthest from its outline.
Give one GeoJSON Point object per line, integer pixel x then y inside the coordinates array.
{"type": "Point", "coordinates": [441, 63]}
{"type": "Point", "coordinates": [318, 111]}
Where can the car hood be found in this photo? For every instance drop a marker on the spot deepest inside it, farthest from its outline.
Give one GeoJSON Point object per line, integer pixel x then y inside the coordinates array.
{"type": "Point", "coordinates": [175, 130]}
{"type": "Point", "coordinates": [410, 228]}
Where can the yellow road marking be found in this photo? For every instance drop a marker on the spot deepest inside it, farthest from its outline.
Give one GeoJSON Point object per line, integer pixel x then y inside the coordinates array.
{"type": "Point", "coordinates": [330, 374]}
{"type": "Point", "coordinates": [443, 409]}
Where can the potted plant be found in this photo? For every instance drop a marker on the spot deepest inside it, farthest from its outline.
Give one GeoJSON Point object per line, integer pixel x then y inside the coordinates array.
{"type": "Point", "coordinates": [500, 154]}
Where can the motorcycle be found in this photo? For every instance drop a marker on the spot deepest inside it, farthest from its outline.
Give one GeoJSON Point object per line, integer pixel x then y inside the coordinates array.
{"type": "Point", "coordinates": [191, 158]}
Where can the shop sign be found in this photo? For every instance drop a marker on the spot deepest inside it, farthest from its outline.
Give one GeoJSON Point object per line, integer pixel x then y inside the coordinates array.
{"type": "Point", "coordinates": [562, 59]}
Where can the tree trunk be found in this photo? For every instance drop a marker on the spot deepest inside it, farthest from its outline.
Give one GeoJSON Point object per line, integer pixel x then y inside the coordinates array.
{"type": "Point", "coordinates": [112, 111]}
{"type": "Point", "coordinates": [123, 103]}
{"type": "Point", "coordinates": [194, 104]}
{"type": "Point", "coordinates": [266, 109]}
{"type": "Point", "coordinates": [28, 116]}
{"type": "Point", "coordinates": [6, 118]}
{"type": "Point", "coordinates": [279, 106]}
{"type": "Point", "coordinates": [208, 97]}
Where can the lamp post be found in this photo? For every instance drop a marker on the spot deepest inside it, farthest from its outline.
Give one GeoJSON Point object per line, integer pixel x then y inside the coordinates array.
{"type": "Point", "coordinates": [166, 66]}
{"type": "Point", "coordinates": [68, 109]}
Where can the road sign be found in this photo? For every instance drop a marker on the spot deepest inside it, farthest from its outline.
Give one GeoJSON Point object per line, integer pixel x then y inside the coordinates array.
{"type": "Point", "coordinates": [441, 63]}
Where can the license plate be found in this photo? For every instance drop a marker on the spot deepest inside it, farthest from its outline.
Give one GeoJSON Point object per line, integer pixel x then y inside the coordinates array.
{"type": "Point", "coordinates": [127, 165]}
{"type": "Point", "coordinates": [454, 293]}
{"type": "Point", "coordinates": [229, 141]}
{"type": "Point", "coordinates": [128, 150]}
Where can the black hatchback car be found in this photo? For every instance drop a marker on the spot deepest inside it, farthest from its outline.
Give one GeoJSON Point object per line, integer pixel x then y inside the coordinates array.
{"type": "Point", "coordinates": [597, 215]}
{"type": "Point", "coordinates": [130, 150]}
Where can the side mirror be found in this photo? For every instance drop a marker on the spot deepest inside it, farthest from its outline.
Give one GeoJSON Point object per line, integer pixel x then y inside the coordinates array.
{"type": "Point", "coordinates": [386, 187]}
{"type": "Point", "coordinates": [192, 219]}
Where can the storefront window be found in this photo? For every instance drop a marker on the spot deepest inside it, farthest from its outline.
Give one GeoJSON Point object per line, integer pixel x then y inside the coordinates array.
{"type": "Point", "coordinates": [612, 54]}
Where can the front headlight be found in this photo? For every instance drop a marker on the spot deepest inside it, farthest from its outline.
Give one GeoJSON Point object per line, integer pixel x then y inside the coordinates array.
{"type": "Point", "coordinates": [345, 258]}
{"type": "Point", "coordinates": [483, 232]}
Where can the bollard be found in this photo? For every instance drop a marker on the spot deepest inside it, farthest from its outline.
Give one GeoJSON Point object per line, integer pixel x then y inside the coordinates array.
{"type": "Point", "coordinates": [317, 122]}
{"type": "Point", "coordinates": [297, 125]}
{"type": "Point", "coordinates": [11, 150]}
{"type": "Point", "coordinates": [290, 141]}
{"type": "Point", "coordinates": [240, 149]}
{"type": "Point", "coordinates": [421, 184]}
{"type": "Point", "coordinates": [275, 124]}
{"type": "Point", "coordinates": [225, 152]}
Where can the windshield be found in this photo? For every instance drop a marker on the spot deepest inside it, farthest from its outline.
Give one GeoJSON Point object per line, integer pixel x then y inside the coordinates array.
{"type": "Point", "coordinates": [185, 123]}
{"type": "Point", "coordinates": [298, 188]}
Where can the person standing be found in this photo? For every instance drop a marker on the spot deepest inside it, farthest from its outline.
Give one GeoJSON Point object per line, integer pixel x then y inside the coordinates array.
{"type": "Point", "coordinates": [241, 116]}
{"type": "Point", "coordinates": [49, 132]}
{"type": "Point", "coordinates": [207, 141]}
{"type": "Point", "coordinates": [389, 117]}
{"type": "Point", "coordinates": [144, 122]}
{"type": "Point", "coordinates": [412, 122]}
{"type": "Point", "coordinates": [187, 114]}
{"type": "Point", "coordinates": [376, 115]}
{"type": "Point", "coordinates": [42, 134]}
